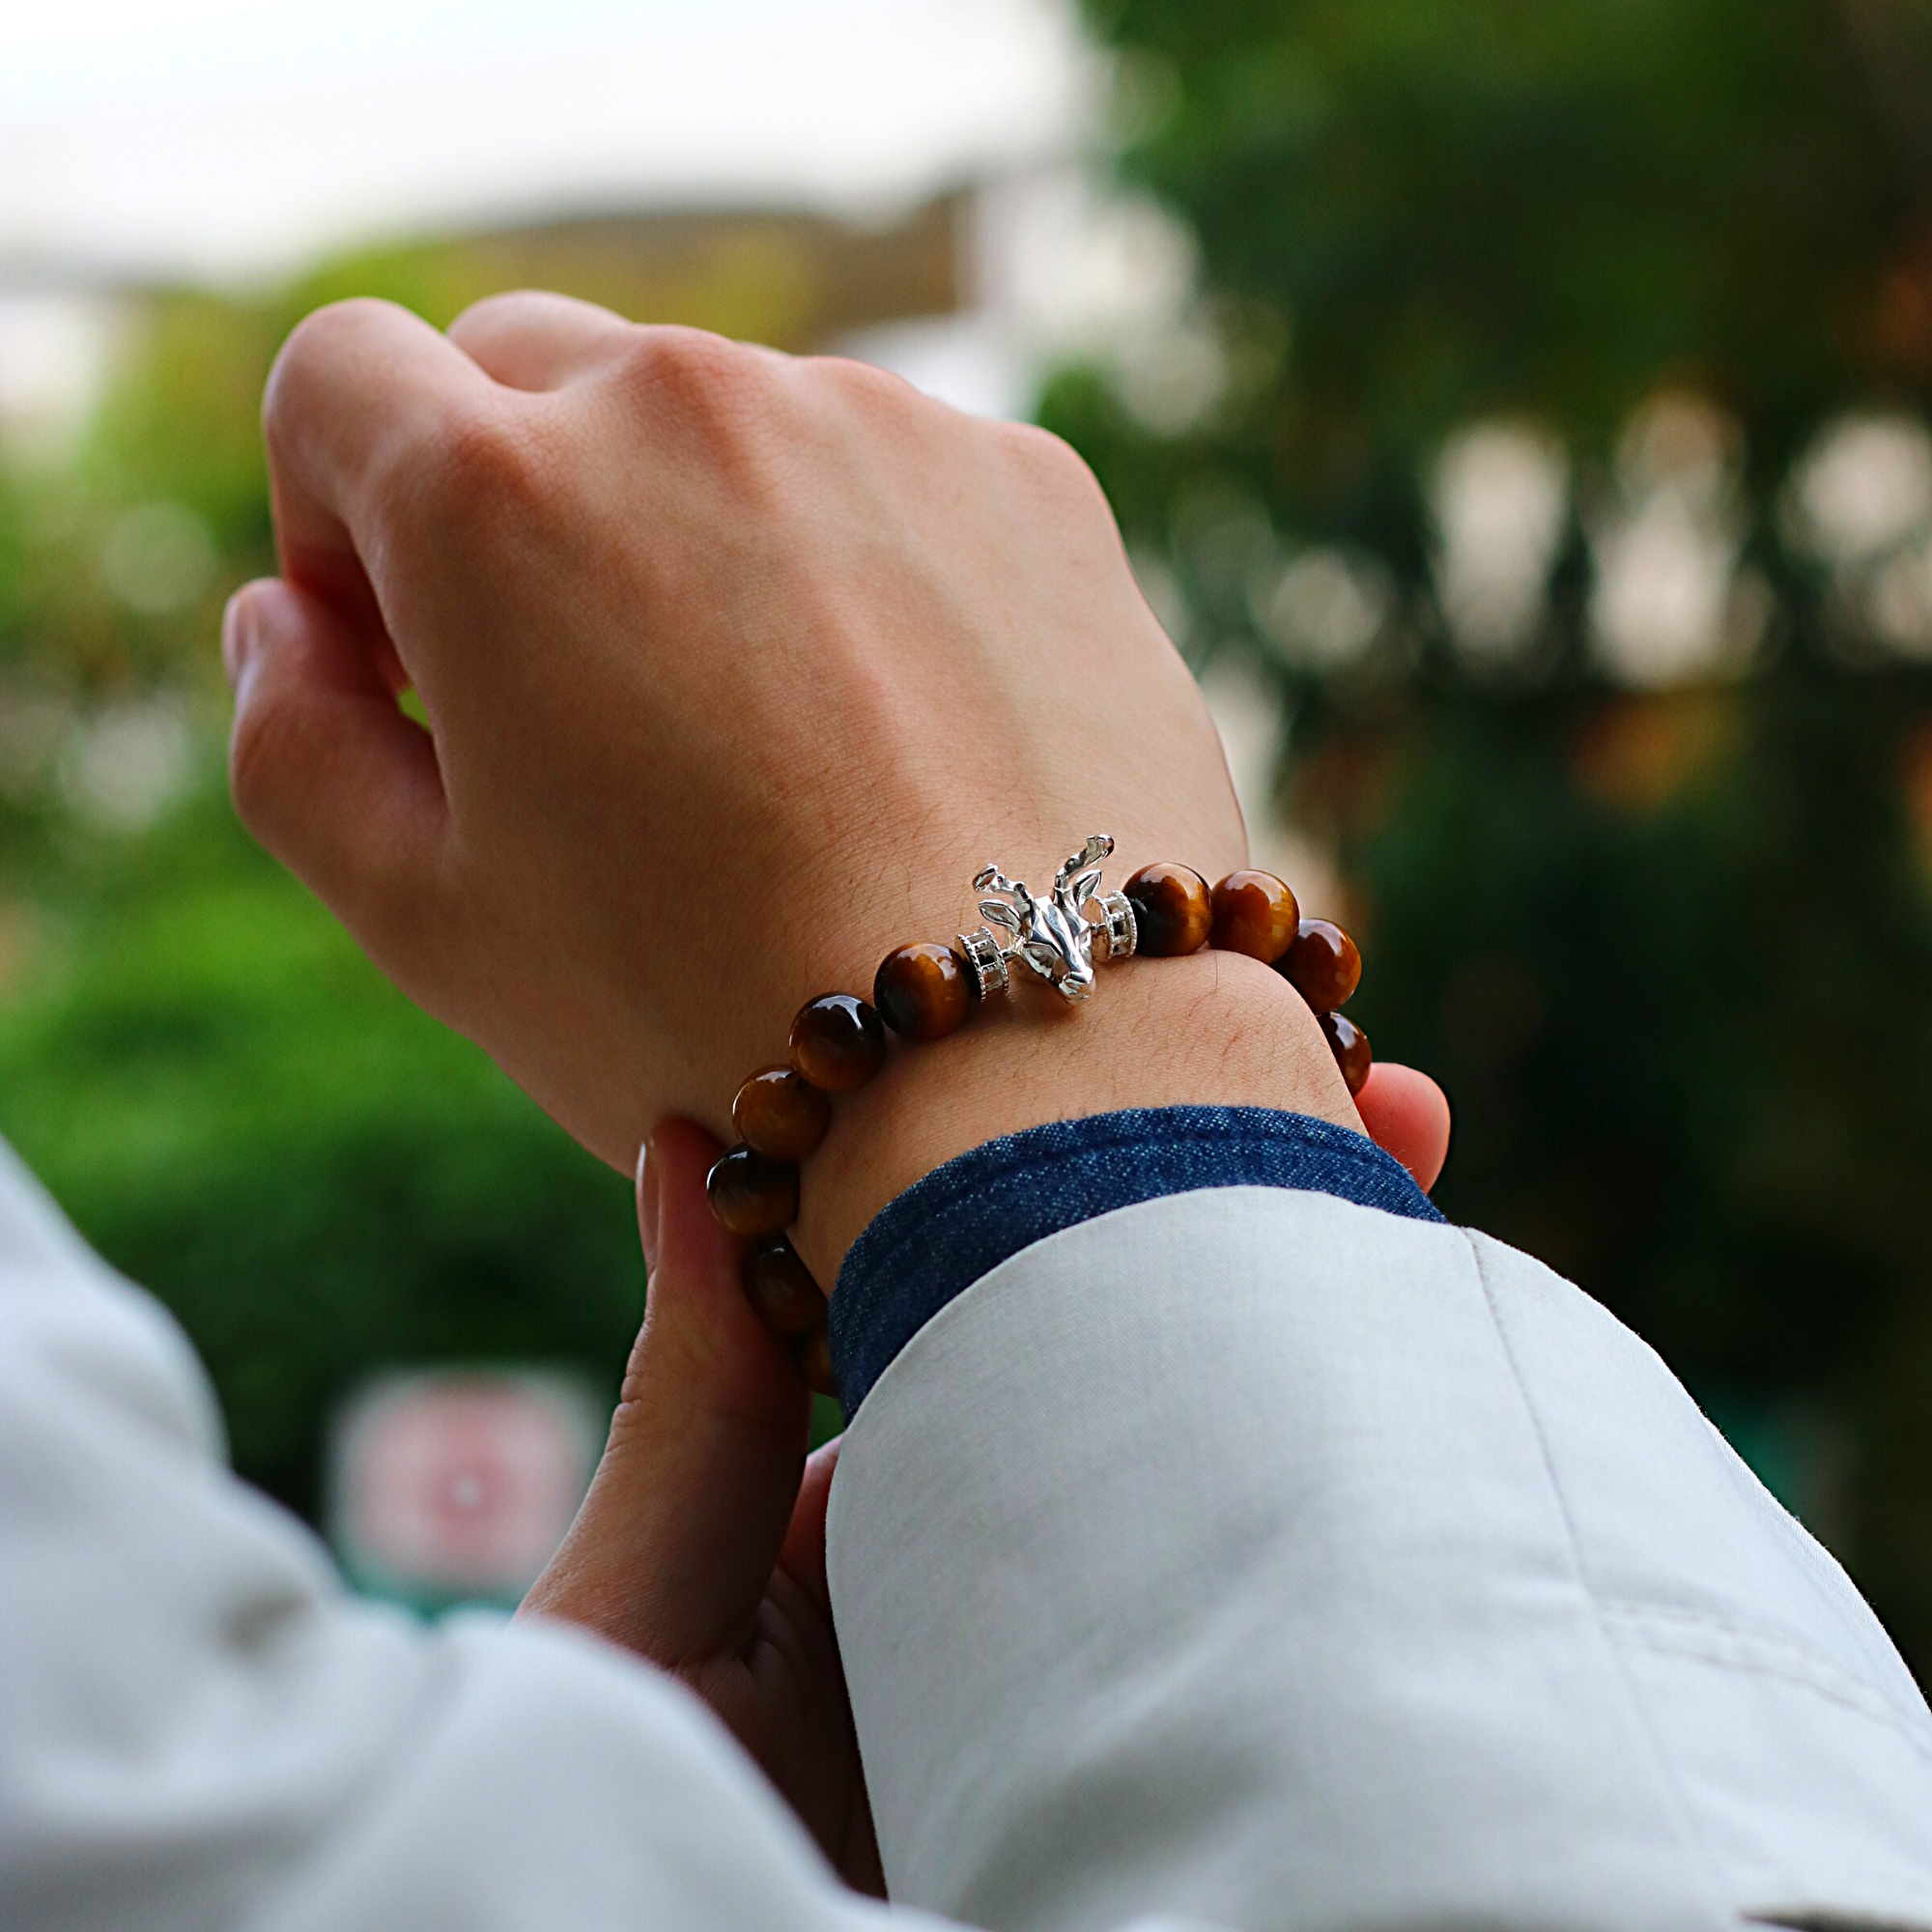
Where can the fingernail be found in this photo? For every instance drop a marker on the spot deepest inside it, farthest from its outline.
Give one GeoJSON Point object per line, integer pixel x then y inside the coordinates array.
{"type": "Point", "coordinates": [650, 1191]}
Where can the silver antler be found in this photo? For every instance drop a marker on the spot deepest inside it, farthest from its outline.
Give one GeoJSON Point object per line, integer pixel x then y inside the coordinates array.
{"type": "Point", "coordinates": [1073, 886]}
{"type": "Point", "coordinates": [1013, 910]}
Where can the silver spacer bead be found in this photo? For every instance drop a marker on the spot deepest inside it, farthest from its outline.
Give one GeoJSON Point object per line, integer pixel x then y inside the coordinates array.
{"type": "Point", "coordinates": [986, 962]}
{"type": "Point", "coordinates": [1117, 928]}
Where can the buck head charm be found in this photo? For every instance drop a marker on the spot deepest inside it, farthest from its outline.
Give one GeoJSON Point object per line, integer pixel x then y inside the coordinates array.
{"type": "Point", "coordinates": [1052, 936]}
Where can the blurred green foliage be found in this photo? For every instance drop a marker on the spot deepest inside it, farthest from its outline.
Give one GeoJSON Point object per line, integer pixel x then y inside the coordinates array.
{"type": "Point", "coordinates": [1454, 206]}
{"type": "Point", "coordinates": [246, 1119]}
{"type": "Point", "coordinates": [1670, 950]}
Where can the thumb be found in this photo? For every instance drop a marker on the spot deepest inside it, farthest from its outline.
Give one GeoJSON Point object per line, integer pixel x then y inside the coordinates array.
{"type": "Point", "coordinates": [324, 769]}
{"type": "Point", "coordinates": [675, 1544]}
{"type": "Point", "coordinates": [1406, 1115]}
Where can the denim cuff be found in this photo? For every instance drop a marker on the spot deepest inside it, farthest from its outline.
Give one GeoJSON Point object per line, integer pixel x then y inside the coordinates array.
{"type": "Point", "coordinates": [939, 1237]}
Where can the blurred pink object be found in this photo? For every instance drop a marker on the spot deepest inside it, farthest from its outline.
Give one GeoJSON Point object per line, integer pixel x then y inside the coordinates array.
{"type": "Point", "coordinates": [457, 1485]}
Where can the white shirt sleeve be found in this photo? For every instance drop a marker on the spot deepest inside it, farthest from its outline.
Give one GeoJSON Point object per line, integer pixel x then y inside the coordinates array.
{"type": "Point", "coordinates": [1245, 1557]}
{"type": "Point", "coordinates": [1256, 1556]}
{"type": "Point", "coordinates": [199, 1730]}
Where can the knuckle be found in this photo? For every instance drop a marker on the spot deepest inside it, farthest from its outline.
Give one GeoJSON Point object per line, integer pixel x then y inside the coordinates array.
{"type": "Point", "coordinates": [1049, 460]}
{"type": "Point", "coordinates": [484, 460]}
{"type": "Point", "coordinates": [1050, 473]}
{"type": "Point", "coordinates": [866, 383]}
{"type": "Point", "coordinates": [712, 382]}
{"type": "Point", "coordinates": [506, 305]}
{"type": "Point", "coordinates": [887, 405]}
{"type": "Point", "coordinates": [312, 346]}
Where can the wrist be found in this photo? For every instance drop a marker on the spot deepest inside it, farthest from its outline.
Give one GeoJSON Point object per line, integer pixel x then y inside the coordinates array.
{"type": "Point", "coordinates": [1212, 1028]}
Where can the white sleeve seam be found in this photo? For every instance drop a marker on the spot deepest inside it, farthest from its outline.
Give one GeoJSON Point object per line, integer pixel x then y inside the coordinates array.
{"type": "Point", "coordinates": [1676, 1802]}
{"type": "Point", "coordinates": [1672, 1631]}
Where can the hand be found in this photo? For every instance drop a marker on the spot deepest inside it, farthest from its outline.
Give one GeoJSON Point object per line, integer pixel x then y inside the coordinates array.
{"type": "Point", "coordinates": [737, 667]}
{"type": "Point", "coordinates": [702, 1543]}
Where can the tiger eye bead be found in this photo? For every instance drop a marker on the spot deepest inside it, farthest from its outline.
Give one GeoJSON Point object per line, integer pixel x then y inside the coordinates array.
{"type": "Point", "coordinates": [1321, 965]}
{"type": "Point", "coordinates": [780, 1114]}
{"type": "Point", "coordinates": [836, 1042]}
{"type": "Point", "coordinates": [1254, 913]}
{"type": "Point", "coordinates": [922, 991]}
{"type": "Point", "coordinates": [1349, 1046]}
{"type": "Point", "coordinates": [1172, 910]}
{"type": "Point", "coordinates": [814, 1363]}
{"type": "Point", "coordinates": [752, 1197]}
{"type": "Point", "coordinates": [781, 1288]}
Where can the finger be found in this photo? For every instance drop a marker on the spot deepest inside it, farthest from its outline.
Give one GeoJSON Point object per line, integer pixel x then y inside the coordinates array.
{"type": "Point", "coordinates": [325, 770]}
{"type": "Point", "coordinates": [803, 1554]}
{"type": "Point", "coordinates": [360, 391]}
{"type": "Point", "coordinates": [1406, 1115]}
{"type": "Point", "coordinates": [676, 1542]}
{"type": "Point", "coordinates": [530, 340]}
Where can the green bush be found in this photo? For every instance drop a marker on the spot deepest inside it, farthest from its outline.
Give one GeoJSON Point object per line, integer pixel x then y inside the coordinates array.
{"type": "Point", "coordinates": [245, 1117]}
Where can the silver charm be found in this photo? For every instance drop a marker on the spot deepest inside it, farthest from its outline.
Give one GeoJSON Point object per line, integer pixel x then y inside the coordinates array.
{"type": "Point", "coordinates": [985, 961]}
{"type": "Point", "coordinates": [1052, 936]}
{"type": "Point", "coordinates": [1119, 933]}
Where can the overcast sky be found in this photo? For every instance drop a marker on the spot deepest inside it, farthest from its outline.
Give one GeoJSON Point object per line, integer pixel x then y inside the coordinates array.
{"type": "Point", "coordinates": [234, 139]}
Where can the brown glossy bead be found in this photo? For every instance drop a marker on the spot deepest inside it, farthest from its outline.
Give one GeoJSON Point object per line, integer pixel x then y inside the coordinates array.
{"type": "Point", "coordinates": [836, 1042]}
{"type": "Point", "coordinates": [1323, 965]}
{"type": "Point", "coordinates": [780, 1113]}
{"type": "Point", "coordinates": [782, 1288]}
{"type": "Point", "coordinates": [922, 991]}
{"type": "Point", "coordinates": [1349, 1046]}
{"type": "Point", "coordinates": [1254, 913]}
{"type": "Point", "coordinates": [751, 1196]}
{"type": "Point", "coordinates": [814, 1363]}
{"type": "Point", "coordinates": [1172, 912]}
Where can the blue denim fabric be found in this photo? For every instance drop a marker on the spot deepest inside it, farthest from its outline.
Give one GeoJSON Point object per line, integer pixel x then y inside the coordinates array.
{"type": "Point", "coordinates": [965, 1218]}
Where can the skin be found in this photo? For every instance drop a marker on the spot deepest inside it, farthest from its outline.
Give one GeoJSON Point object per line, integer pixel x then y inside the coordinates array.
{"type": "Point", "coordinates": [737, 667]}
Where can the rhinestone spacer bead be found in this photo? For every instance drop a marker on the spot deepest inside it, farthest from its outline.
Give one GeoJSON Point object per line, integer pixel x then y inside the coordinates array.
{"type": "Point", "coordinates": [1117, 926]}
{"type": "Point", "coordinates": [985, 961]}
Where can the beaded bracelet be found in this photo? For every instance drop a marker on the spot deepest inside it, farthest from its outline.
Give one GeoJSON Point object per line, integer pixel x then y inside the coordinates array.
{"type": "Point", "coordinates": [924, 992]}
